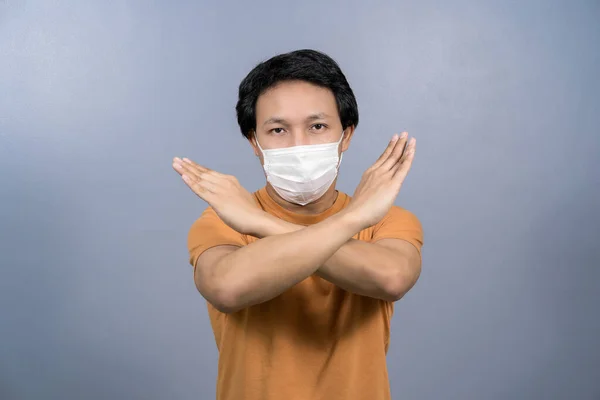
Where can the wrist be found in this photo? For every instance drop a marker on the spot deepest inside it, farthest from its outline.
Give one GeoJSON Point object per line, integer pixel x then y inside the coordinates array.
{"type": "Point", "coordinates": [352, 220]}
{"type": "Point", "coordinates": [266, 224]}
{"type": "Point", "coordinates": [271, 225]}
{"type": "Point", "coordinates": [256, 223]}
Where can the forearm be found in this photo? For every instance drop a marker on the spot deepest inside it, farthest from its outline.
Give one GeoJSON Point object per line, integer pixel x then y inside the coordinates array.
{"type": "Point", "coordinates": [266, 268]}
{"type": "Point", "coordinates": [359, 267]}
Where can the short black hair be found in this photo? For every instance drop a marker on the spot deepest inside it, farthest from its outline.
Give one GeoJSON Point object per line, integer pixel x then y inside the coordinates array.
{"type": "Point", "coordinates": [301, 65]}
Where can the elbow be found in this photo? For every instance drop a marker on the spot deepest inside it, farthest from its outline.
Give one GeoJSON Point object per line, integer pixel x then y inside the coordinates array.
{"type": "Point", "coordinates": [392, 291]}
{"type": "Point", "coordinates": [226, 299]}
{"type": "Point", "coordinates": [397, 283]}
{"type": "Point", "coordinates": [220, 293]}
{"type": "Point", "coordinates": [226, 303]}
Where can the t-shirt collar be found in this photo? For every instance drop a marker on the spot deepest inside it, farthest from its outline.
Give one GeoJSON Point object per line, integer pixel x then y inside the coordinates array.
{"type": "Point", "coordinates": [272, 207]}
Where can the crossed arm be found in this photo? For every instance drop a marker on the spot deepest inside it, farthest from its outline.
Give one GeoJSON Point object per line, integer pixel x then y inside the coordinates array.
{"type": "Point", "coordinates": [233, 278]}
{"type": "Point", "coordinates": [386, 269]}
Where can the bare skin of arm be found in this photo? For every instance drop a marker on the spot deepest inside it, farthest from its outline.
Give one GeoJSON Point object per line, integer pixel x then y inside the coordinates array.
{"type": "Point", "coordinates": [235, 278]}
{"type": "Point", "coordinates": [254, 274]}
{"type": "Point", "coordinates": [386, 269]}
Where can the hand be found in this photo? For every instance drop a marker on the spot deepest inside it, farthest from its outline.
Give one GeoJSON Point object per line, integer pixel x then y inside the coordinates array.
{"type": "Point", "coordinates": [232, 203]}
{"type": "Point", "coordinates": [381, 183]}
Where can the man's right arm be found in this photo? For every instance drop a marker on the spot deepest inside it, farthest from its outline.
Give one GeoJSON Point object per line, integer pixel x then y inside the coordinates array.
{"type": "Point", "coordinates": [235, 279]}
{"type": "Point", "coordinates": [232, 278]}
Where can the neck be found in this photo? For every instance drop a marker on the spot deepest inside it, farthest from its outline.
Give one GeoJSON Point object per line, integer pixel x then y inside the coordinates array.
{"type": "Point", "coordinates": [316, 207]}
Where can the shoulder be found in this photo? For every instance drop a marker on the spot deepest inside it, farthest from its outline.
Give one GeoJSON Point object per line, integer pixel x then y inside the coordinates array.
{"type": "Point", "coordinates": [399, 223]}
{"type": "Point", "coordinates": [209, 219]}
{"type": "Point", "coordinates": [209, 231]}
{"type": "Point", "coordinates": [400, 215]}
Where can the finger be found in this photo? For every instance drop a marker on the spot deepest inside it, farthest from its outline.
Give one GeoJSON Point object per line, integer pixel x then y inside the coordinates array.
{"type": "Point", "coordinates": [192, 166]}
{"type": "Point", "coordinates": [388, 150]}
{"type": "Point", "coordinates": [212, 176]}
{"type": "Point", "coordinates": [407, 149]}
{"type": "Point", "coordinates": [201, 169]}
{"type": "Point", "coordinates": [396, 153]}
{"type": "Point", "coordinates": [176, 164]}
{"type": "Point", "coordinates": [403, 167]}
{"type": "Point", "coordinates": [199, 173]}
{"type": "Point", "coordinates": [201, 187]}
{"type": "Point", "coordinates": [204, 171]}
{"type": "Point", "coordinates": [195, 165]}
{"type": "Point", "coordinates": [185, 168]}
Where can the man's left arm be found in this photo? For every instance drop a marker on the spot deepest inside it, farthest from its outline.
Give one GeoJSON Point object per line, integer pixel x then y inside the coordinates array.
{"type": "Point", "coordinates": [385, 268]}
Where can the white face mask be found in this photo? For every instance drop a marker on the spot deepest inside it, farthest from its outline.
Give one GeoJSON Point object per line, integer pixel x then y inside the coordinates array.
{"type": "Point", "coordinates": [302, 174]}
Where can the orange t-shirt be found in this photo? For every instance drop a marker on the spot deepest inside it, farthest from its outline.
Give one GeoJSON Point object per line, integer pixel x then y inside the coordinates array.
{"type": "Point", "coordinates": [315, 340]}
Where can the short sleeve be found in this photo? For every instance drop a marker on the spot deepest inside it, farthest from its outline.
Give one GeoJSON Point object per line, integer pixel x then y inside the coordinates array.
{"type": "Point", "coordinates": [400, 224]}
{"type": "Point", "coordinates": [210, 231]}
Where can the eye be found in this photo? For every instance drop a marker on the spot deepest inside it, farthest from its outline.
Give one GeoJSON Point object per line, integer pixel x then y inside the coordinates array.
{"type": "Point", "coordinates": [277, 131]}
{"type": "Point", "coordinates": [319, 127]}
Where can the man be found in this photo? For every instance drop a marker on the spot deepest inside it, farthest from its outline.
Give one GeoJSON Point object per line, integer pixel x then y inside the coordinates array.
{"type": "Point", "coordinates": [300, 279]}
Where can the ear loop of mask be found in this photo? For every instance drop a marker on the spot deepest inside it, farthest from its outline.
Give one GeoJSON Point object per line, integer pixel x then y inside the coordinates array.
{"type": "Point", "coordinates": [342, 153]}
{"type": "Point", "coordinates": [258, 144]}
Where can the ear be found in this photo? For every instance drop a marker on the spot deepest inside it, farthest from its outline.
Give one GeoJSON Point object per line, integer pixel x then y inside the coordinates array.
{"type": "Point", "coordinates": [348, 132]}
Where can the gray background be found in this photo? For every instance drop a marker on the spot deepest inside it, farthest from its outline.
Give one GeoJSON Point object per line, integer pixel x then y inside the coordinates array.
{"type": "Point", "coordinates": [97, 300]}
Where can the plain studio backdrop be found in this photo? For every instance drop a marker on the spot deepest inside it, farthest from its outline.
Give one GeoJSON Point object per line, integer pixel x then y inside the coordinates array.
{"type": "Point", "coordinates": [97, 299]}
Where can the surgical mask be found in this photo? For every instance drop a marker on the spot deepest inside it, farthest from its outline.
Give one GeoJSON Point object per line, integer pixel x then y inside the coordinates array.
{"type": "Point", "coordinates": [302, 174]}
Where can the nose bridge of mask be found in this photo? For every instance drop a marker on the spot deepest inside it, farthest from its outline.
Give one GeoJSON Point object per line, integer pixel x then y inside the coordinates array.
{"type": "Point", "coordinates": [303, 149]}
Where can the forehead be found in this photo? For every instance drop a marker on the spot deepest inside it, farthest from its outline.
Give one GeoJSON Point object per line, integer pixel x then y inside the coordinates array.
{"type": "Point", "coordinates": [295, 100]}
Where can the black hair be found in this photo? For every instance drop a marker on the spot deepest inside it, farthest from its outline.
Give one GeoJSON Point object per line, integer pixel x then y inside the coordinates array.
{"type": "Point", "coordinates": [301, 65]}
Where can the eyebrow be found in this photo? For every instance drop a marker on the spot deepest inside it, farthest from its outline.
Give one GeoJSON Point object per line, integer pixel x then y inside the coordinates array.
{"type": "Point", "coordinates": [275, 120]}
{"type": "Point", "coordinates": [312, 117]}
